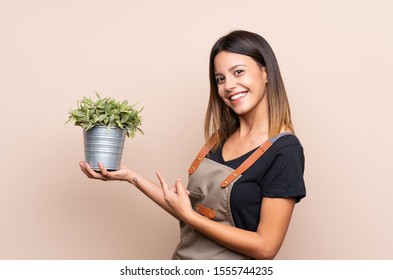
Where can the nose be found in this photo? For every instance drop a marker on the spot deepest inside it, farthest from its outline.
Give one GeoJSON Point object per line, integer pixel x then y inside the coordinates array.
{"type": "Point", "coordinates": [230, 83]}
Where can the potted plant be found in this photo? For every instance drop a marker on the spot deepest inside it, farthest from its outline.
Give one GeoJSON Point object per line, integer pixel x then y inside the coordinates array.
{"type": "Point", "coordinates": [106, 123]}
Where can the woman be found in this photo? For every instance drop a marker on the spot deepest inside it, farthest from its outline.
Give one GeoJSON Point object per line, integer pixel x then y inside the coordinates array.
{"type": "Point", "coordinates": [245, 181]}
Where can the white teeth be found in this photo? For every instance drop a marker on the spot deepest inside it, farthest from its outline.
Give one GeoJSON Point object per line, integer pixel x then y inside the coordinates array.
{"type": "Point", "coordinates": [237, 96]}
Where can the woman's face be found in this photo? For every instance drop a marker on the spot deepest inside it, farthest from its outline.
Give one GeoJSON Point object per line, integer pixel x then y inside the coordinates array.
{"type": "Point", "coordinates": [241, 82]}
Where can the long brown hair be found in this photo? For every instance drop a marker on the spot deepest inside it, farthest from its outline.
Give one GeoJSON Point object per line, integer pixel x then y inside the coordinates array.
{"type": "Point", "coordinates": [223, 121]}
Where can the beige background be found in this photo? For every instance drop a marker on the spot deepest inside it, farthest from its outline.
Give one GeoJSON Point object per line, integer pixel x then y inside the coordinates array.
{"type": "Point", "coordinates": [336, 59]}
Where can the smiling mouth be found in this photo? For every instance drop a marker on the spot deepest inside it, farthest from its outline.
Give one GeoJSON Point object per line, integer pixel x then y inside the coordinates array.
{"type": "Point", "coordinates": [237, 96]}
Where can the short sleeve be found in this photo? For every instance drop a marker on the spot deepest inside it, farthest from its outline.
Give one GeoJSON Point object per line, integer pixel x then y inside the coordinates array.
{"type": "Point", "coordinates": [284, 177]}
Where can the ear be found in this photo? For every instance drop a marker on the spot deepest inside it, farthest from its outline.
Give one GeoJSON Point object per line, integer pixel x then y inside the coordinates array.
{"type": "Point", "coordinates": [264, 74]}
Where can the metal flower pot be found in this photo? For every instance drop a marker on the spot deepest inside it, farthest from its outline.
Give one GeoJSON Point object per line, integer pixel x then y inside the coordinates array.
{"type": "Point", "coordinates": [103, 145]}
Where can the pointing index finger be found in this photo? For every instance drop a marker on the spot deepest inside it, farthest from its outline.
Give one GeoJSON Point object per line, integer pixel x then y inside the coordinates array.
{"type": "Point", "coordinates": [162, 182]}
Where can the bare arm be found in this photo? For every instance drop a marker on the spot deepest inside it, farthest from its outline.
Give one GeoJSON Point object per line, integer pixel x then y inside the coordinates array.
{"type": "Point", "coordinates": [263, 244]}
{"type": "Point", "coordinates": [149, 188]}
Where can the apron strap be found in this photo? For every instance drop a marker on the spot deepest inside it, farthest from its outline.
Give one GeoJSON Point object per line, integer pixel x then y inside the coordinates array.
{"type": "Point", "coordinates": [247, 163]}
{"type": "Point", "coordinates": [243, 167]}
{"type": "Point", "coordinates": [251, 159]}
{"type": "Point", "coordinates": [204, 151]}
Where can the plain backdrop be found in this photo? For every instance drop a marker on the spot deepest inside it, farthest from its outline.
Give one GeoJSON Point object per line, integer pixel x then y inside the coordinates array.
{"type": "Point", "coordinates": [336, 60]}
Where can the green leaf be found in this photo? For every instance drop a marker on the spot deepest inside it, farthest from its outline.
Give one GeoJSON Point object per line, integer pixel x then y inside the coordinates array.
{"type": "Point", "coordinates": [140, 130]}
{"type": "Point", "coordinates": [114, 112]}
{"type": "Point", "coordinates": [102, 117]}
{"type": "Point", "coordinates": [95, 118]}
{"type": "Point", "coordinates": [78, 113]}
{"type": "Point", "coordinates": [125, 118]}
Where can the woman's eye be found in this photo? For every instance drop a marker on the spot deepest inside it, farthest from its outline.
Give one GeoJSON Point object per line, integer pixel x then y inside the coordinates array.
{"type": "Point", "coordinates": [220, 79]}
{"type": "Point", "coordinates": [239, 71]}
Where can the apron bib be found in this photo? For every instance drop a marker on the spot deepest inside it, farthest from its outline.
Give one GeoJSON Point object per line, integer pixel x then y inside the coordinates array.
{"type": "Point", "coordinates": [210, 185]}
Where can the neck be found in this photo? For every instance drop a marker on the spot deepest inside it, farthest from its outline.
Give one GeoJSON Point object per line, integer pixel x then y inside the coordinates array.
{"type": "Point", "coordinates": [255, 122]}
{"type": "Point", "coordinates": [248, 128]}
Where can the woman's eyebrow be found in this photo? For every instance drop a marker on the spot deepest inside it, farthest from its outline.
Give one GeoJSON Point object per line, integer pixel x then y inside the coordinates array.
{"type": "Point", "coordinates": [231, 68]}
{"type": "Point", "coordinates": [235, 66]}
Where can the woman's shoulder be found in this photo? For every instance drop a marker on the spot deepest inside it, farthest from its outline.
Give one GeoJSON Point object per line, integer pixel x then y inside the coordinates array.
{"type": "Point", "coordinates": [285, 139]}
{"type": "Point", "coordinates": [286, 146]}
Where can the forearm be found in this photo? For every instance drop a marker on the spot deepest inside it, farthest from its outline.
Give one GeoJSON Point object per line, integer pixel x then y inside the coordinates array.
{"type": "Point", "coordinates": [249, 243]}
{"type": "Point", "coordinates": [264, 243]}
{"type": "Point", "coordinates": [151, 190]}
